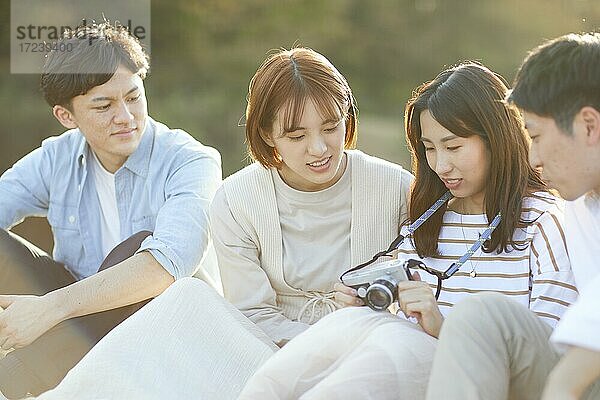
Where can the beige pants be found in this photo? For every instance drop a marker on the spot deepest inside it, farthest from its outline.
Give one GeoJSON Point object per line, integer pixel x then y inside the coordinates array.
{"type": "Point", "coordinates": [492, 348]}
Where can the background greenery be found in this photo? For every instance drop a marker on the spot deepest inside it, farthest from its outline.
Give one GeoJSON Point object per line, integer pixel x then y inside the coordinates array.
{"type": "Point", "coordinates": [205, 52]}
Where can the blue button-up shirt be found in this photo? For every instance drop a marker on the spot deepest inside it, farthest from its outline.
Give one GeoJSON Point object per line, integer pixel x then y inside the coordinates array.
{"type": "Point", "coordinates": [165, 186]}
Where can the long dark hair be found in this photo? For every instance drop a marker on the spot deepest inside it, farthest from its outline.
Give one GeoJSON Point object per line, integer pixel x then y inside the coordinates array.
{"type": "Point", "coordinates": [469, 100]}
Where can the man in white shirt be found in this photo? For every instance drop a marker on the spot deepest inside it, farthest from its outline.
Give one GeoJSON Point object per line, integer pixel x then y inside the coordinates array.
{"type": "Point", "coordinates": [491, 349]}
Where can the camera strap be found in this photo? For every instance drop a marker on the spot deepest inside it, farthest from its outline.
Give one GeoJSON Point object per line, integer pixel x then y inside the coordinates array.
{"type": "Point", "coordinates": [411, 229]}
{"type": "Point", "coordinates": [486, 235]}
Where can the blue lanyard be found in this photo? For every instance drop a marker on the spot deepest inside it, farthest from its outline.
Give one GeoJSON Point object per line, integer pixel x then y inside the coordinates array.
{"type": "Point", "coordinates": [415, 225]}
{"type": "Point", "coordinates": [485, 236]}
{"type": "Point", "coordinates": [425, 216]}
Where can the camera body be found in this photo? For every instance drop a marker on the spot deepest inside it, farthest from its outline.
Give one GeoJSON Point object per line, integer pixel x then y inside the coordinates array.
{"type": "Point", "coordinates": [377, 285]}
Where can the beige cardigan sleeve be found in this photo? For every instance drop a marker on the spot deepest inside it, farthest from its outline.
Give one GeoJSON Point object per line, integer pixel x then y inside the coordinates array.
{"type": "Point", "coordinates": [245, 283]}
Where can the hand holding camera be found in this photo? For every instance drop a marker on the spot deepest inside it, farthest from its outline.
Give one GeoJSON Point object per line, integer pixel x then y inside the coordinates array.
{"type": "Point", "coordinates": [416, 300]}
{"type": "Point", "coordinates": [382, 284]}
{"type": "Point", "coordinates": [347, 296]}
{"type": "Point", "coordinates": [376, 285]}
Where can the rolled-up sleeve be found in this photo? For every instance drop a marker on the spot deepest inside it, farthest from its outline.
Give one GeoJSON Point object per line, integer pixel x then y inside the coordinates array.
{"type": "Point", "coordinates": [181, 235]}
{"type": "Point", "coordinates": [24, 188]}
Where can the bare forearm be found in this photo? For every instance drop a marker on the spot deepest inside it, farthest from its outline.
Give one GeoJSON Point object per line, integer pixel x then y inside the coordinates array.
{"type": "Point", "coordinates": [138, 278]}
{"type": "Point", "coordinates": [575, 372]}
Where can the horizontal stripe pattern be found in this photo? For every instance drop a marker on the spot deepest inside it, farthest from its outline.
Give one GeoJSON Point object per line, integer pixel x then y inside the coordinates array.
{"type": "Point", "coordinates": [536, 274]}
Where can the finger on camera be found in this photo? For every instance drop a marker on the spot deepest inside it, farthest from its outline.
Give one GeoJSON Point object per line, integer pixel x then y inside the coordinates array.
{"type": "Point", "coordinates": [409, 285]}
{"type": "Point", "coordinates": [417, 302]}
{"type": "Point", "coordinates": [340, 287]}
{"type": "Point", "coordinates": [419, 292]}
{"type": "Point", "coordinates": [412, 295]}
{"type": "Point", "coordinates": [421, 304]}
{"type": "Point", "coordinates": [347, 300]}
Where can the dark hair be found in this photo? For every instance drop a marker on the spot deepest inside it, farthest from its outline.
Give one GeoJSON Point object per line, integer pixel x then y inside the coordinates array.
{"type": "Point", "coordinates": [560, 77]}
{"type": "Point", "coordinates": [287, 79]}
{"type": "Point", "coordinates": [95, 53]}
{"type": "Point", "coordinates": [469, 100]}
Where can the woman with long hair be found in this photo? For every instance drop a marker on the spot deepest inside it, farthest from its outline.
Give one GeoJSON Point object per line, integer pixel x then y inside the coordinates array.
{"type": "Point", "coordinates": [500, 231]}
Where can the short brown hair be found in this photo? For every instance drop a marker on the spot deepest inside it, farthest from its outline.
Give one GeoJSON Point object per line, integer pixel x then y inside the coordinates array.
{"type": "Point", "coordinates": [287, 79]}
{"type": "Point", "coordinates": [469, 100]}
{"type": "Point", "coordinates": [96, 51]}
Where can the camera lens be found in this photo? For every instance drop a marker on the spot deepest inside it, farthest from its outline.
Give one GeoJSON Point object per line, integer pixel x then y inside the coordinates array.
{"type": "Point", "coordinates": [380, 295]}
{"type": "Point", "coordinates": [378, 299]}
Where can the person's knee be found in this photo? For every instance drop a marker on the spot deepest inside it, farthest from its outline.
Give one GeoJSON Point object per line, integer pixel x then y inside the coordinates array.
{"type": "Point", "coordinates": [7, 242]}
{"type": "Point", "coordinates": [191, 289]}
{"type": "Point", "coordinates": [189, 284]}
{"type": "Point", "coordinates": [482, 309]}
{"type": "Point", "coordinates": [347, 314]}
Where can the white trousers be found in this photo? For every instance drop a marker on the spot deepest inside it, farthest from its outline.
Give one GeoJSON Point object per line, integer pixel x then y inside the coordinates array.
{"type": "Point", "coordinates": [353, 353]}
{"type": "Point", "coordinates": [188, 343]}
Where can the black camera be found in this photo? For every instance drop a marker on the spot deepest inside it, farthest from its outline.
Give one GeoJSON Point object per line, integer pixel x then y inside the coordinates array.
{"type": "Point", "coordinates": [376, 285]}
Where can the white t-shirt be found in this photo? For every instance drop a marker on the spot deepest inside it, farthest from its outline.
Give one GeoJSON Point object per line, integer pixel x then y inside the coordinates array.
{"type": "Point", "coordinates": [110, 228]}
{"type": "Point", "coordinates": [580, 325]}
{"type": "Point", "coordinates": [315, 228]}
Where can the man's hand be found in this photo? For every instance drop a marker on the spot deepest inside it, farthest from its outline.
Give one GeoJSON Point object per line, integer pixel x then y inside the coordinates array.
{"type": "Point", "coordinates": [416, 299]}
{"type": "Point", "coordinates": [574, 373]}
{"type": "Point", "coordinates": [24, 319]}
{"type": "Point", "coordinates": [346, 296]}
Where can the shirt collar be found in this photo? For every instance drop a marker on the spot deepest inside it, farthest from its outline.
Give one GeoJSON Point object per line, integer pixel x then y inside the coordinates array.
{"type": "Point", "coordinates": [139, 161]}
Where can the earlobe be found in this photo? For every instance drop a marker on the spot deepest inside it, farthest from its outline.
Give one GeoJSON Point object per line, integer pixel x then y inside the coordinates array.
{"type": "Point", "coordinates": [64, 116]}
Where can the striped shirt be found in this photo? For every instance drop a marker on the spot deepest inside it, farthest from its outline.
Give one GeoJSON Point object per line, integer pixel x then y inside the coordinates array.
{"type": "Point", "coordinates": [537, 274]}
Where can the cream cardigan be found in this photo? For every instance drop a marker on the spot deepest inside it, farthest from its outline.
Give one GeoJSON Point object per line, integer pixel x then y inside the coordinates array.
{"type": "Point", "coordinates": [379, 205]}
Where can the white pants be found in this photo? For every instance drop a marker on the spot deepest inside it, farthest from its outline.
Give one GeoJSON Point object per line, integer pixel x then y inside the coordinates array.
{"type": "Point", "coordinates": [188, 343]}
{"type": "Point", "coordinates": [353, 353]}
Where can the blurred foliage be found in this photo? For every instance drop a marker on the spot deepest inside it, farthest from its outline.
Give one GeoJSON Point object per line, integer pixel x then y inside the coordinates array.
{"type": "Point", "coordinates": [205, 52]}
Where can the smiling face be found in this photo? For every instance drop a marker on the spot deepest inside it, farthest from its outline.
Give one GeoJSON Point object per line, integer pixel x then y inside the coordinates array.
{"type": "Point", "coordinates": [111, 117]}
{"type": "Point", "coordinates": [568, 162]}
{"type": "Point", "coordinates": [312, 153]}
{"type": "Point", "coordinates": [462, 163]}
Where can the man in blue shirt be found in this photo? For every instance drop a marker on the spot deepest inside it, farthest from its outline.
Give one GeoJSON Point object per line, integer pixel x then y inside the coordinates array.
{"type": "Point", "coordinates": [114, 173]}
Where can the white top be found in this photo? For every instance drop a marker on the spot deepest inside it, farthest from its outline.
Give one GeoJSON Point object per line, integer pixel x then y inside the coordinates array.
{"type": "Point", "coordinates": [315, 228]}
{"type": "Point", "coordinates": [581, 324]}
{"type": "Point", "coordinates": [110, 231]}
{"type": "Point", "coordinates": [538, 275]}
